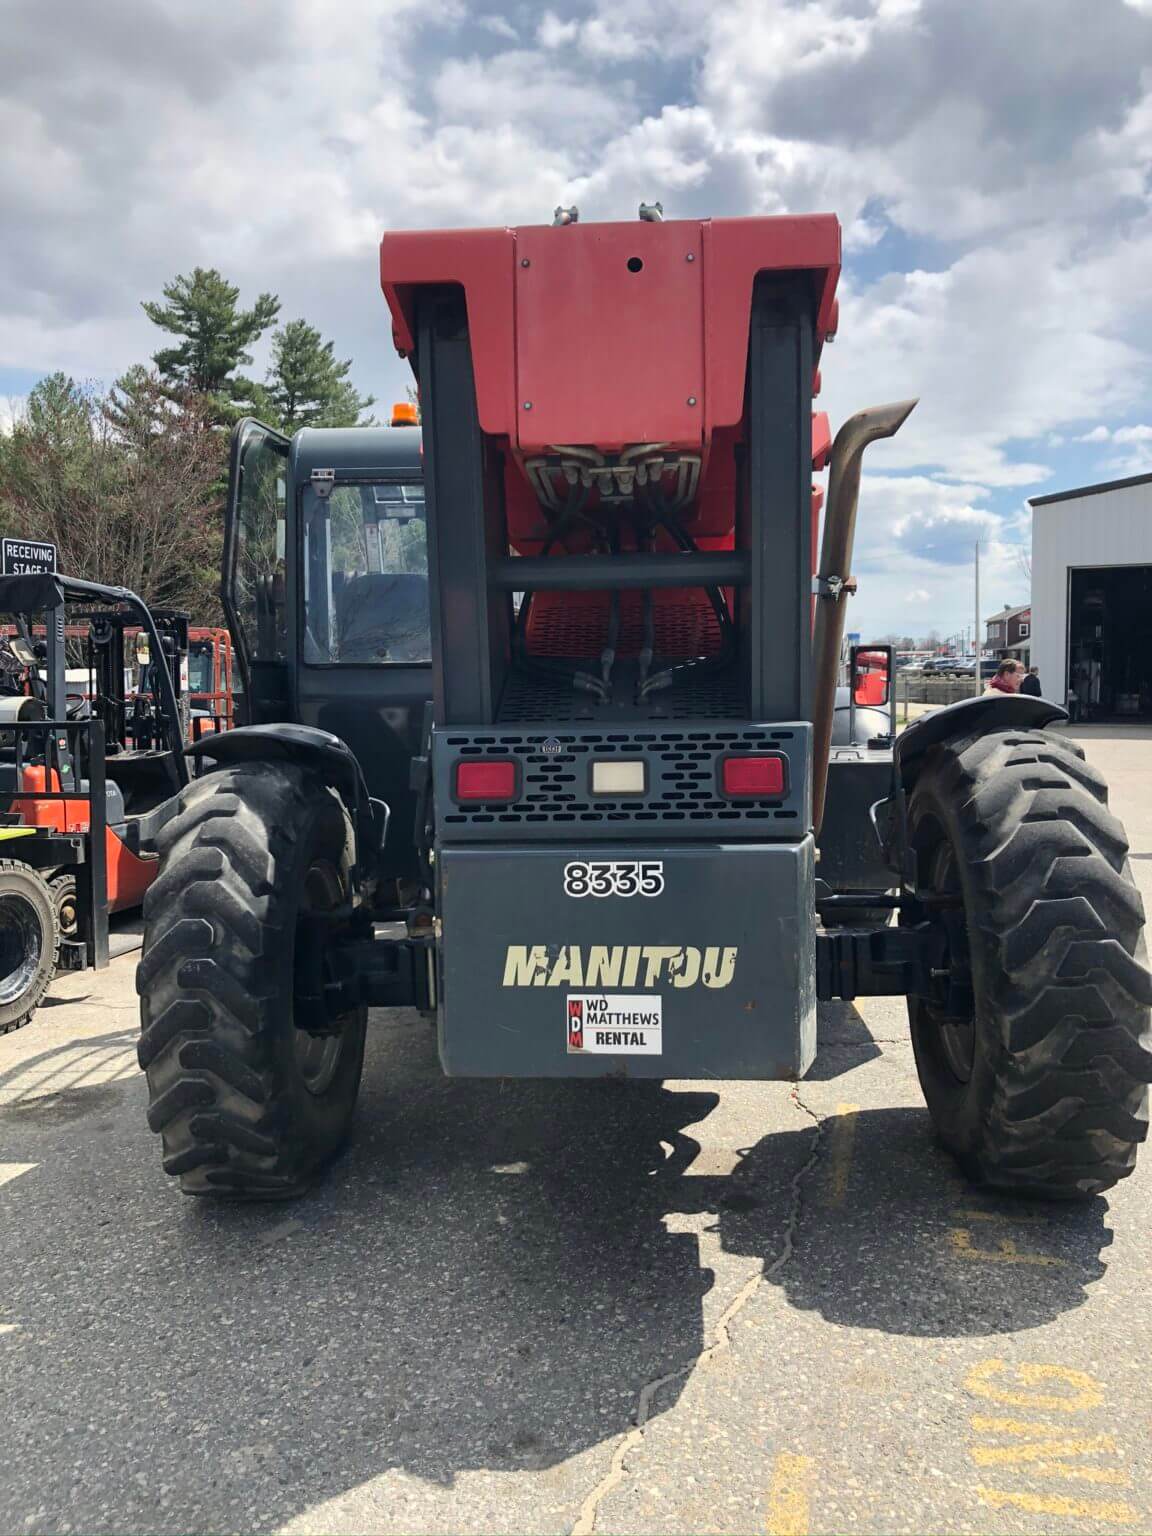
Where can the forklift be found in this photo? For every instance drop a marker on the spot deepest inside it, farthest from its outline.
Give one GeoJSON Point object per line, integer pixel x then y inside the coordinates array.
{"type": "Point", "coordinates": [84, 751]}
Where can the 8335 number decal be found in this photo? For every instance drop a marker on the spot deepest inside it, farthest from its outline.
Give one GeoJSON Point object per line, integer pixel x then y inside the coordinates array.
{"type": "Point", "coordinates": [613, 877]}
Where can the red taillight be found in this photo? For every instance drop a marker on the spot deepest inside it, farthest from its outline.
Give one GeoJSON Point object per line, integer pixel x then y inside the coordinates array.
{"type": "Point", "coordinates": [486, 779]}
{"type": "Point", "coordinates": [764, 777]}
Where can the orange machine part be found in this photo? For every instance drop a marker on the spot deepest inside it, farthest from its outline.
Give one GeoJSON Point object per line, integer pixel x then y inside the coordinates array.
{"type": "Point", "coordinates": [129, 876]}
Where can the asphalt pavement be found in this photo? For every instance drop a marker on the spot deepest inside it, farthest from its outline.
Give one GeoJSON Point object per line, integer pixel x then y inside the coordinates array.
{"type": "Point", "coordinates": [522, 1307]}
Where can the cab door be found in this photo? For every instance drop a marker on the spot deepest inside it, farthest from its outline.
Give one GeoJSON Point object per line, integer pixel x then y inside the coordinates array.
{"type": "Point", "coordinates": [253, 586]}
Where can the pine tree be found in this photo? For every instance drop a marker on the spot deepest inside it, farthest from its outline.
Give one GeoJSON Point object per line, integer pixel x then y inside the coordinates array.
{"type": "Point", "coordinates": [54, 467]}
{"type": "Point", "coordinates": [214, 337]}
{"type": "Point", "coordinates": [59, 411]}
{"type": "Point", "coordinates": [307, 386]}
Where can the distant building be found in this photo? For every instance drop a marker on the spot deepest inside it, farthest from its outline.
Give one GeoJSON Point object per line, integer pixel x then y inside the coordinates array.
{"type": "Point", "coordinates": [1092, 598]}
{"type": "Point", "coordinates": [1009, 633]}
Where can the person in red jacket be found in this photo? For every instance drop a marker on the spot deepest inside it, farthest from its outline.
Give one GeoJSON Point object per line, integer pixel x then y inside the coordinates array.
{"type": "Point", "coordinates": [1009, 676]}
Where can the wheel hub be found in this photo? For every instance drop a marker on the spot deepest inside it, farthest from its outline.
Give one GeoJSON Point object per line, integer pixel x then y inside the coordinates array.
{"type": "Point", "coordinates": [955, 1013]}
{"type": "Point", "coordinates": [21, 945]}
{"type": "Point", "coordinates": [317, 1055]}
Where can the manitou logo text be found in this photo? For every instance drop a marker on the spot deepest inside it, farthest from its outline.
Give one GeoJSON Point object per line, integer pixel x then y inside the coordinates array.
{"type": "Point", "coordinates": [618, 965]}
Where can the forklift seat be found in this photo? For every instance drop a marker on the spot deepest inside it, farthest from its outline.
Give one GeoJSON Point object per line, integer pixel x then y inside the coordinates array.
{"type": "Point", "coordinates": [383, 616]}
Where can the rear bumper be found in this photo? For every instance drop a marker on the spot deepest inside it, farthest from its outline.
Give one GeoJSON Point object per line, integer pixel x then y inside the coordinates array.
{"type": "Point", "coordinates": [639, 959]}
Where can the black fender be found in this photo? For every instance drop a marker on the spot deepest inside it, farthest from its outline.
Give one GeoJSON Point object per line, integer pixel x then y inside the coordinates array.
{"type": "Point", "coordinates": [329, 757]}
{"type": "Point", "coordinates": [970, 717]}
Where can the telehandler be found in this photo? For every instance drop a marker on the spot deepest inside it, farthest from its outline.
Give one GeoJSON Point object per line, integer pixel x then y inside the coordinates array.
{"type": "Point", "coordinates": [540, 741]}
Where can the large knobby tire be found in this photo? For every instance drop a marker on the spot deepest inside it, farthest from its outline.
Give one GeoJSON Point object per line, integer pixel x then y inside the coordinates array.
{"type": "Point", "coordinates": [1038, 1087]}
{"type": "Point", "coordinates": [248, 1105]}
{"type": "Point", "coordinates": [29, 942]}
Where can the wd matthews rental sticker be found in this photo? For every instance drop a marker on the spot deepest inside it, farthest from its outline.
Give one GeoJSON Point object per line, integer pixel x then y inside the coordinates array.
{"type": "Point", "coordinates": [613, 1024]}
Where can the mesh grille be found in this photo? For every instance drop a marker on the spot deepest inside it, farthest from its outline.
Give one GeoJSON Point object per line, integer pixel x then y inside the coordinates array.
{"type": "Point", "coordinates": [703, 696]}
{"type": "Point", "coordinates": [575, 624]}
{"type": "Point", "coordinates": [682, 773]}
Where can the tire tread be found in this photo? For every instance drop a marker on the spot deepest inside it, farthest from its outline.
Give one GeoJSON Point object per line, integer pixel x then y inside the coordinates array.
{"type": "Point", "coordinates": [1055, 923]}
{"type": "Point", "coordinates": [211, 981]}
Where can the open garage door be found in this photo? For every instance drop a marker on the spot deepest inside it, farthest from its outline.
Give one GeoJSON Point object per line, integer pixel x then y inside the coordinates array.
{"type": "Point", "coordinates": [1110, 641]}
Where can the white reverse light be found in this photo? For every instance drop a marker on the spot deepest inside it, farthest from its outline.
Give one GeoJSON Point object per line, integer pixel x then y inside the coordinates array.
{"type": "Point", "coordinates": [617, 778]}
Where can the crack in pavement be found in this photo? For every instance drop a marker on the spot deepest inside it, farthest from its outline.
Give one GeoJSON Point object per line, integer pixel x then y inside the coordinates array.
{"type": "Point", "coordinates": [618, 1469]}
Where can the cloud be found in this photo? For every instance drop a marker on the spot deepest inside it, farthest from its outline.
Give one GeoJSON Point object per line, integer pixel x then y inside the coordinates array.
{"type": "Point", "coordinates": [915, 548]}
{"type": "Point", "coordinates": [554, 33]}
{"type": "Point", "coordinates": [499, 26]}
{"type": "Point", "coordinates": [989, 163]}
{"type": "Point", "coordinates": [546, 100]}
{"type": "Point", "coordinates": [1139, 433]}
{"type": "Point", "coordinates": [1136, 441]}
{"type": "Point", "coordinates": [922, 518]}
{"type": "Point", "coordinates": [11, 411]}
{"type": "Point", "coordinates": [917, 597]}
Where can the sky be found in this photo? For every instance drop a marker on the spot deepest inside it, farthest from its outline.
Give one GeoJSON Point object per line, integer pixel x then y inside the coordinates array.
{"type": "Point", "coordinates": [990, 161]}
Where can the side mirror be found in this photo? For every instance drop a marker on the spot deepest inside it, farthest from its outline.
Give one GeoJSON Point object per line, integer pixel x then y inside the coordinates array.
{"type": "Point", "coordinates": [871, 675]}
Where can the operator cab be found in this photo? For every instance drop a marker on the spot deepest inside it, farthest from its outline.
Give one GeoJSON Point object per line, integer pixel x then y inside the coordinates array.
{"type": "Point", "coordinates": [326, 591]}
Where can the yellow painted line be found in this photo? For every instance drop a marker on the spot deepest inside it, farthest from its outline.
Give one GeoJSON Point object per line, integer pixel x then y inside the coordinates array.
{"type": "Point", "coordinates": [984, 1380]}
{"type": "Point", "coordinates": [1059, 1504]}
{"type": "Point", "coordinates": [788, 1506]}
{"type": "Point", "coordinates": [1006, 1251]}
{"type": "Point", "coordinates": [8, 833]}
{"type": "Point", "coordinates": [1041, 1434]}
{"type": "Point", "coordinates": [1039, 1450]}
{"type": "Point", "coordinates": [985, 1424]}
{"type": "Point", "coordinates": [1112, 1475]}
{"type": "Point", "coordinates": [842, 1138]}
{"type": "Point", "coordinates": [10, 1171]}
{"type": "Point", "coordinates": [1011, 1218]}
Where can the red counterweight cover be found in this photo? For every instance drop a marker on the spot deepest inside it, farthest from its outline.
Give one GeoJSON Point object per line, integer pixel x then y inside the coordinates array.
{"type": "Point", "coordinates": [609, 335]}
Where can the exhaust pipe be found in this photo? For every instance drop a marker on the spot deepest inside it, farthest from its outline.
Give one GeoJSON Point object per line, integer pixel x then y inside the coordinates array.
{"type": "Point", "coordinates": [833, 578]}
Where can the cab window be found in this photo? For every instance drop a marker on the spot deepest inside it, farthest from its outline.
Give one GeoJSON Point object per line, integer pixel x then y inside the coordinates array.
{"type": "Point", "coordinates": [255, 550]}
{"type": "Point", "coordinates": [365, 555]}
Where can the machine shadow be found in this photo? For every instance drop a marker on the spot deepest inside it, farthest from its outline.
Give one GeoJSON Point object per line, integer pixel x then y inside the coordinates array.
{"type": "Point", "coordinates": [497, 1277]}
{"type": "Point", "coordinates": [484, 1281]}
{"type": "Point", "coordinates": [845, 1043]}
{"type": "Point", "coordinates": [892, 1237]}
{"type": "Point", "coordinates": [65, 1082]}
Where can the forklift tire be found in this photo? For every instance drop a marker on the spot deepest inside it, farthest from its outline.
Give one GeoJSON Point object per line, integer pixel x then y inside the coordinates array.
{"type": "Point", "coordinates": [63, 888]}
{"type": "Point", "coordinates": [1038, 1083]}
{"type": "Point", "coordinates": [248, 1105]}
{"type": "Point", "coordinates": [29, 942]}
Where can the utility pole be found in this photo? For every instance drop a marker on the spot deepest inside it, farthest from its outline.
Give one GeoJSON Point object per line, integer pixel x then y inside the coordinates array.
{"type": "Point", "coordinates": [977, 645]}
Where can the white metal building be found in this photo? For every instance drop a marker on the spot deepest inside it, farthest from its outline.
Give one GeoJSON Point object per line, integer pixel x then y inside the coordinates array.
{"type": "Point", "coordinates": [1092, 597]}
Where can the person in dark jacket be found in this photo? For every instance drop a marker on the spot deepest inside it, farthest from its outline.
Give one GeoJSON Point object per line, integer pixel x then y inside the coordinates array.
{"type": "Point", "coordinates": [1031, 683]}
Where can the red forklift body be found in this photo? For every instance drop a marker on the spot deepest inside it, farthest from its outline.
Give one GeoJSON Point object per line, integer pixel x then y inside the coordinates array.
{"type": "Point", "coordinates": [128, 875]}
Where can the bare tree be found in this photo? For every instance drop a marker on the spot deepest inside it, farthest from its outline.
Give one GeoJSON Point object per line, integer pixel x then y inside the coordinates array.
{"type": "Point", "coordinates": [126, 484]}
